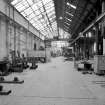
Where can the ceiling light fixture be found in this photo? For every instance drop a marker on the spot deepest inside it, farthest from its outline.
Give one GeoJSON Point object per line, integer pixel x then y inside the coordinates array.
{"type": "Point", "coordinates": [66, 28]}
{"type": "Point", "coordinates": [73, 6]}
{"type": "Point", "coordinates": [60, 18]}
{"type": "Point", "coordinates": [68, 19]}
{"type": "Point", "coordinates": [69, 14]}
{"type": "Point", "coordinates": [66, 23]}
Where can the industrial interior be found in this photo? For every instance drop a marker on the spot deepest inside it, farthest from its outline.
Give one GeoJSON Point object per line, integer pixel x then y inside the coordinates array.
{"type": "Point", "coordinates": [52, 52]}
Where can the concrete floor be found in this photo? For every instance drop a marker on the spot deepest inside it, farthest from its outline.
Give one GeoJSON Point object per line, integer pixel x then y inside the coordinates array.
{"type": "Point", "coordinates": [55, 83]}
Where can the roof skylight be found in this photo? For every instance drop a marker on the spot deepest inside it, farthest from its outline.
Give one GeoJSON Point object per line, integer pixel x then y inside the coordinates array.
{"type": "Point", "coordinates": [40, 13]}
